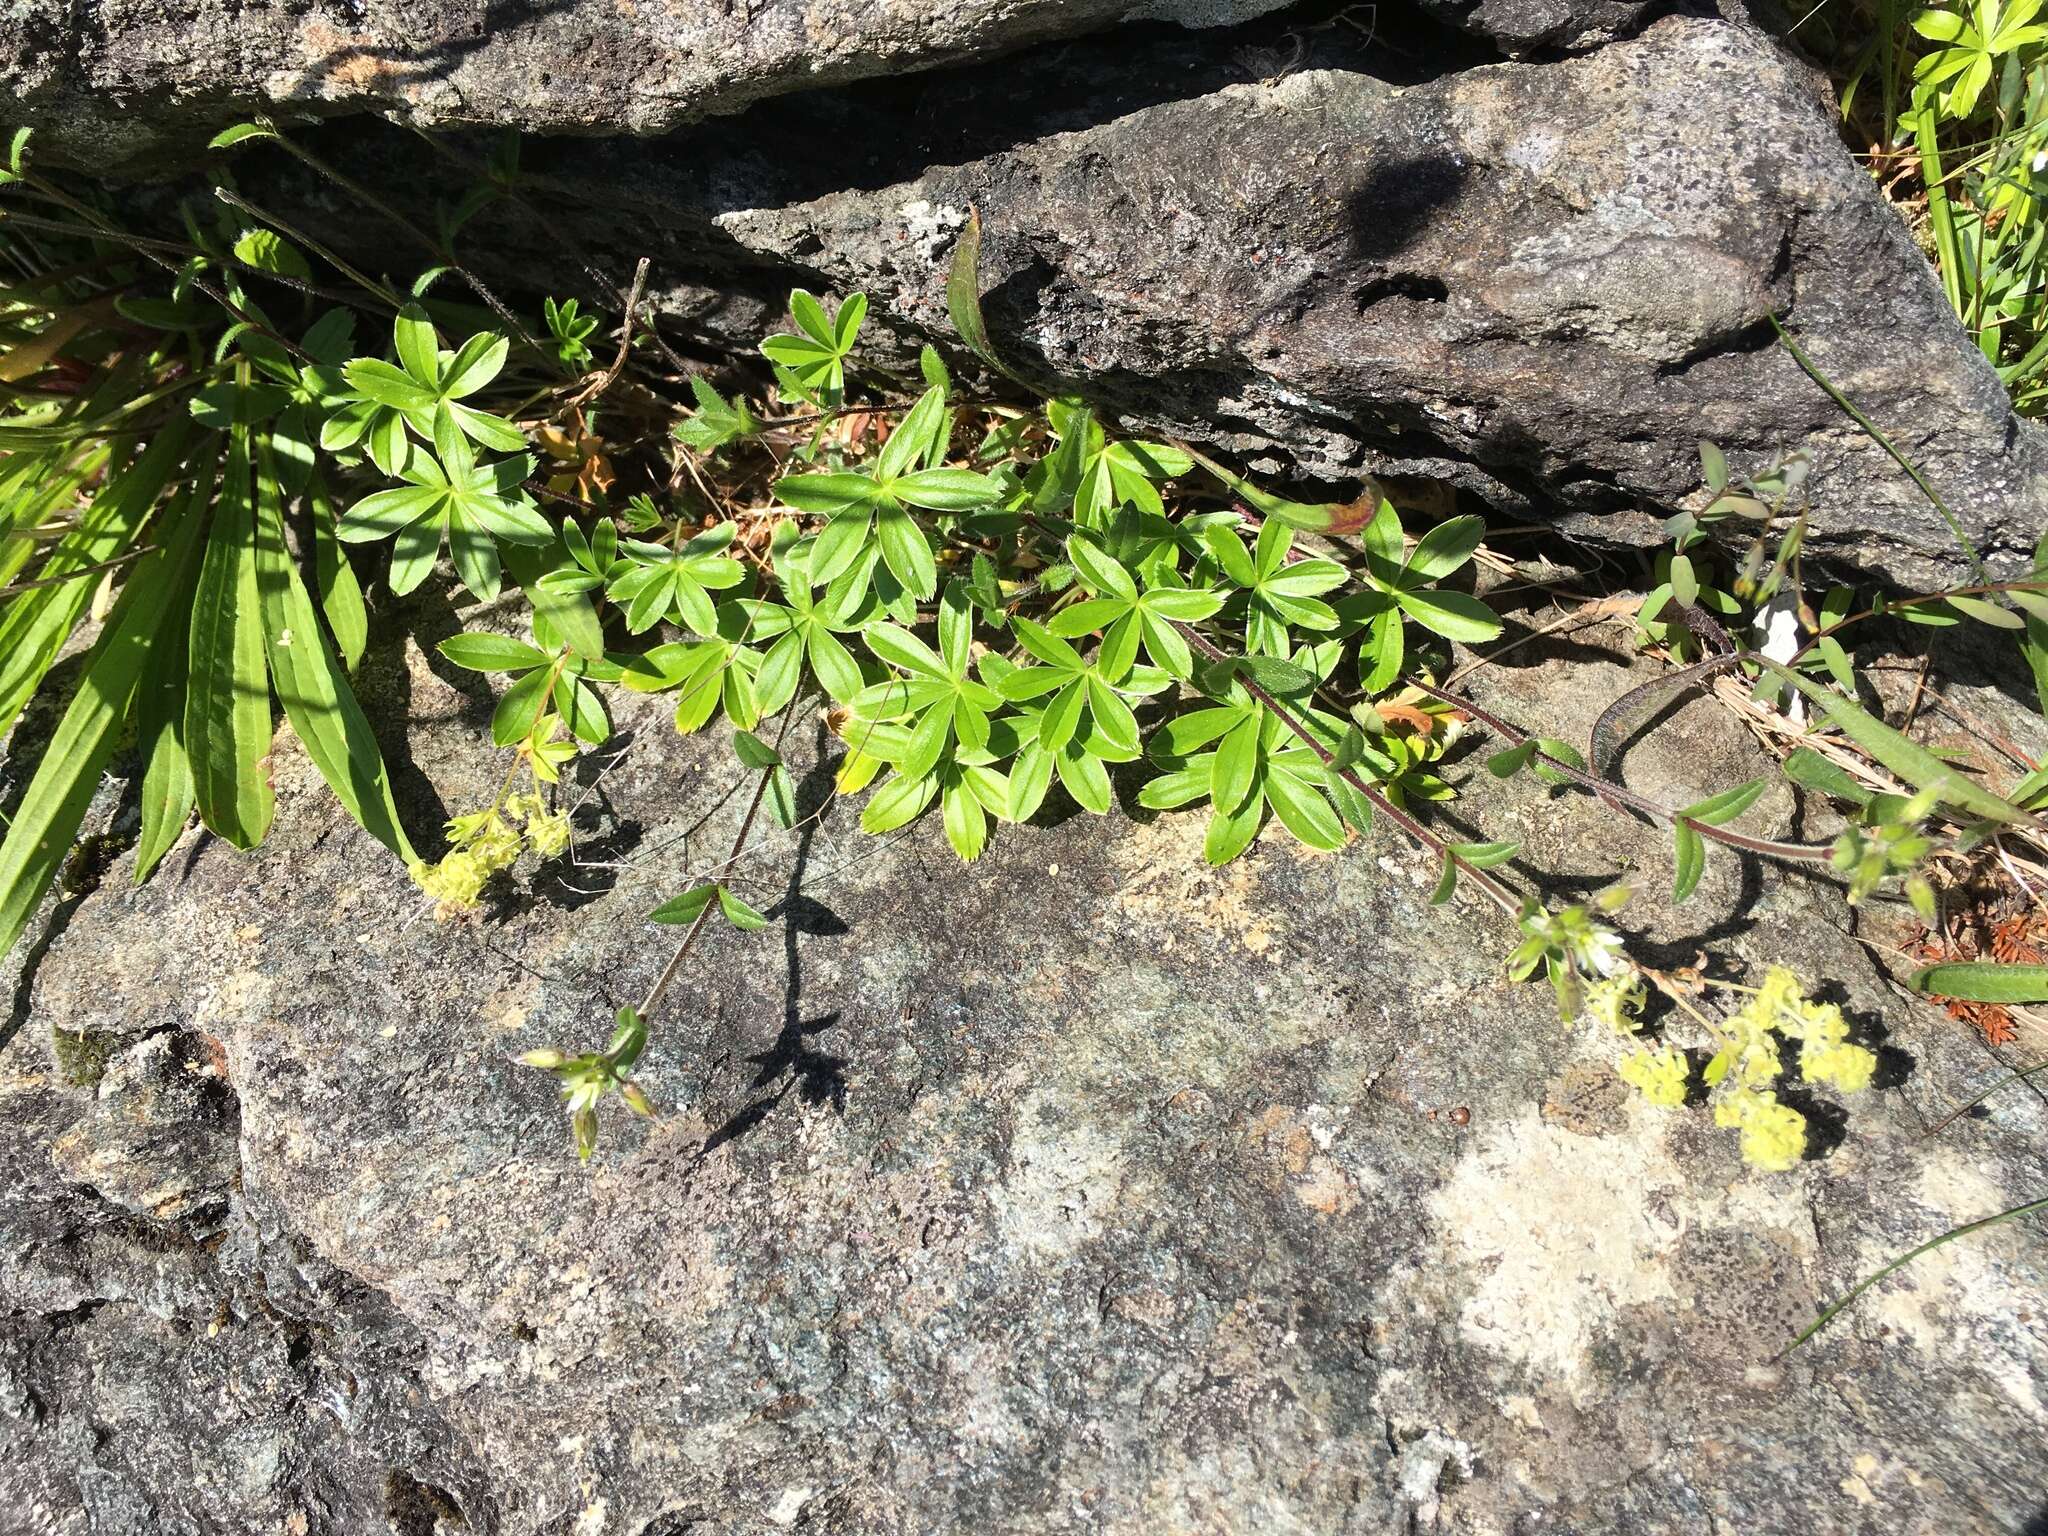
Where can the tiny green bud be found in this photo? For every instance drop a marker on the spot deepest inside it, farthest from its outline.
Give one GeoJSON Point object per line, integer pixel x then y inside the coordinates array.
{"type": "Point", "coordinates": [546, 1060]}
{"type": "Point", "coordinates": [636, 1099]}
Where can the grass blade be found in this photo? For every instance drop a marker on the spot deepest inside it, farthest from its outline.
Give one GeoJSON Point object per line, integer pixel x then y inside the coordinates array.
{"type": "Point", "coordinates": [1903, 1260]}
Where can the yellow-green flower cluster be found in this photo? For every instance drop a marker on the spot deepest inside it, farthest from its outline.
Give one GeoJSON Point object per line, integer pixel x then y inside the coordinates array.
{"type": "Point", "coordinates": [1658, 1071]}
{"type": "Point", "coordinates": [487, 843]}
{"type": "Point", "coordinates": [1748, 1063]}
{"type": "Point", "coordinates": [1773, 1135]}
{"type": "Point", "coordinates": [1825, 1052]}
{"type": "Point", "coordinates": [1617, 1002]}
{"type": "Point", "coordinates": [547, 833]}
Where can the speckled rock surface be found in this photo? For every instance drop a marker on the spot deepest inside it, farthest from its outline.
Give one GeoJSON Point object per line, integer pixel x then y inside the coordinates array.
{"type": "Point", "coordinates": [1541, 282]}
{"type": "Point", "coordinates": [1080, 1189]}
{"type": "Point", "coordinates": [1320, 243]}
{"type": "Point", "coordinates": [123, 78]}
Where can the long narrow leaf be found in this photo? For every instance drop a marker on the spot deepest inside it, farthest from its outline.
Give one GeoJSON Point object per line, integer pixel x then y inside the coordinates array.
{"type": "Point", "coordinates": [37, 622]}
{"type": "Point", "coordinates": [963, 296]}
{"type": "Point", "coordinates": [1983, 981]}
{"type": "Point", "coordinates": [167, 793]}
{"type": "Point", "coordinates": [57, 797]}
{"type": "Point", "coordinates": [341, 595]}
{"type": "Point", "coordinates": [1904, 757]}
{"type": "Point", "coordinates": [310, 682]}
{"type": "Point", "coordinates": [227, 700]}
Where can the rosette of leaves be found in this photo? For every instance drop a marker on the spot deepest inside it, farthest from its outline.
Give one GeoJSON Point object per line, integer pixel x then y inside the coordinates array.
{"type": "Point", "coordinates": [1241, 758]}
{"type": "Point", "coordinates": [1278, 594]}
{"type": "Point", "coordinates": [875, 506]}
{"type": "Point", "coordinates": [1128, 616]}
{"type": "Point", "coordinates": [1095, 475]}
{"type": "Point", "coordinates": [811, 363]}
{"type": "Point", "coordinates": [653, 582]}
{"type": "Point", "coordinates": [803, 630]}
{"type": "Point", "coordinates": [421, 396]}
{"type": "Point", "coordinates": [450, 497]}
{"type": "Point", "coordinates": [1402, 587]}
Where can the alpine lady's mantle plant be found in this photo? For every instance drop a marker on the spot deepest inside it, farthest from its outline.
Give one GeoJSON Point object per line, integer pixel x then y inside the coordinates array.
{"type": "Point", "coordinates": [993, 602]}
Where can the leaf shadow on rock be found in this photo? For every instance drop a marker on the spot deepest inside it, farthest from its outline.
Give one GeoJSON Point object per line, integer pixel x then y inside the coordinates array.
{"type": "Point", "coordinates": [816, 1077]}
{"type": "Point", "coordinates": [605, 836]}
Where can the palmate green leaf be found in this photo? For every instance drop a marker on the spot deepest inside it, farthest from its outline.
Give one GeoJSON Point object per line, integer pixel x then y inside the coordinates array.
{"type": "Point", "coordinates": [44, 824]}
{"type": "Point", "coordinates": [1983, 981]}
{"type": "Point", "coordinates": [310, 682]}
{"type": "Point", "coordinates": [227, 697]}
{"type": "Point", "coordinates": [1906, 758]}
{"type": "Point", "coordinates": [717, 421]}
{"type": "Point", "coordinates": [36, 623]}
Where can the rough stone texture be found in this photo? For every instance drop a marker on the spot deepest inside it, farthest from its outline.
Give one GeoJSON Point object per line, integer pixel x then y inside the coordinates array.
{"type": "Point", "coordinates": [1541, 282]}
{"type": "Point", "coordinates": [1325, 249]}
{"type": "Point", "coordinates": [1544, 283]}
{"type": "Point", "coordinates": [1531, 26]}
{"type": "Point", "coordinates": [1079, 1189]}
{"type": "Point", "coordinates": [123, 78]}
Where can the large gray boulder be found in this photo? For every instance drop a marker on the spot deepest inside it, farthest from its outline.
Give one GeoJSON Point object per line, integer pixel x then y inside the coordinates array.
{"type": "Point", "coordinates": [1082, 1188]}
{"type": "Point", "coordinates": [126, 78]}
{"type": "Point", "coordinates": [1541, 282]}
{"type": "Point", "coordinates": [1325, 248]}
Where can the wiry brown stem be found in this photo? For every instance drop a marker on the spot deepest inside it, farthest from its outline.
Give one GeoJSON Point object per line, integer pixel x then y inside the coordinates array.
{"type": "Point", "coordinates": [1621, 797]}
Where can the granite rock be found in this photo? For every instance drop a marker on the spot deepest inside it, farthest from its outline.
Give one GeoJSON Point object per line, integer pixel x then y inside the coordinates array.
{"type": "Point", "coordinates": [1080, 1188]}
